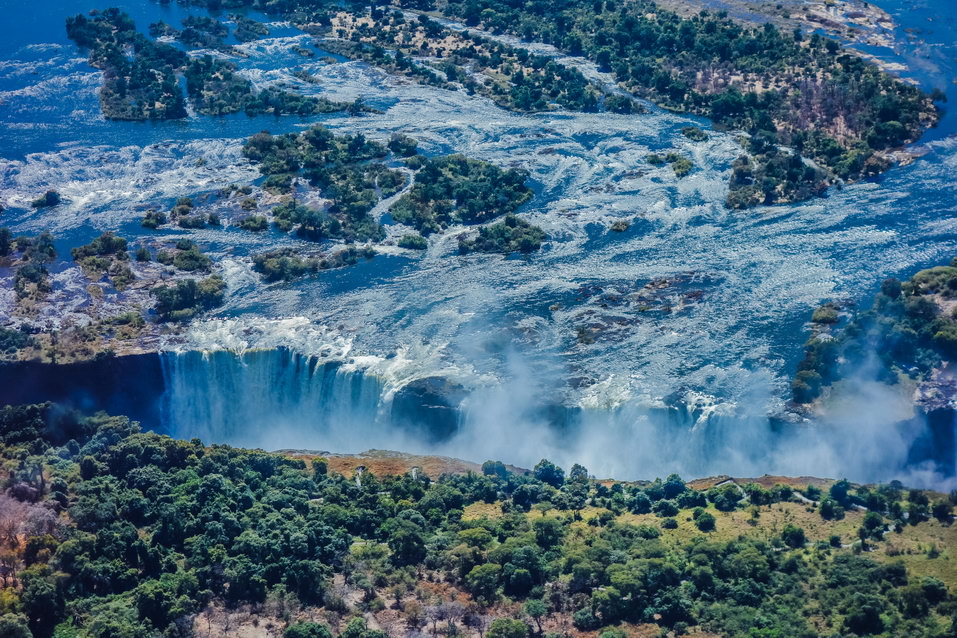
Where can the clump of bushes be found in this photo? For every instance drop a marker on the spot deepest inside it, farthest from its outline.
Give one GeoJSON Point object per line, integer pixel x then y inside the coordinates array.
{"type": "Point", "coordinates": [513, 234]}
{"type": "Point", "coordinates": [413, 241]}
{"type": "Point", "coordinates": [187, 257]}
{"type": "Point", "coordinates": [188, 297]}
{"type": "Point", "coordinates": [48, 199]}
{"type": "Point", "coordinates": [254, 223]}
{"type": "Point", "coordinates": [694, 133]}
{"type": "Point", "coordinates": [457, 190]}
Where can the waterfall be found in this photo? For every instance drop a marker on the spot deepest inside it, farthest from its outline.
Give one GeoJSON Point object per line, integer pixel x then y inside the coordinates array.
{"type": "Point", "coordinates": [277, 399]}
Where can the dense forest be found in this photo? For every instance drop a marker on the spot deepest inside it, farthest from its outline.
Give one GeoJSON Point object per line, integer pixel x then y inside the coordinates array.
{"type": "Point", "coordinates": [782, 88]}
{"type": "Point", "coordinates": [911, 329]}
{"type": "Point", "coordinates": [109, 531]}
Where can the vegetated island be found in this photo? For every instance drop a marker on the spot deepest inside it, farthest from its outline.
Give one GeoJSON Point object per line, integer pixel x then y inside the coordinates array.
{"type": "Point", "coordinates": [319, 187]}
{"type": "Point", "coordinates": [140, 75]}
{"type": "Point", "coordinates": [910, 332]}
{"type": "Point", "coordinates": [111, 531]}
{"type": "Point", "coordinates": [813, 111]}
{"type": "Point", "coordinates": [424, 50]}
{"type": "Point", "coordinates": [349, 173]}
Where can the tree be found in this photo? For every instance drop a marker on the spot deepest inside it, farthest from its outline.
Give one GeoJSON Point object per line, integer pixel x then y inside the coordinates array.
{"type": "Point", "coordinates": [673, 486]}
{"type": "Point", "coordinates": [864, 615]}
{"type": "Point", "coordinates": [891, 288]}
{"type": "Point", "coordinates": [536, 610]}
{"type": "Point", "coordinates": [483, 581]}
{"type": "Point", "coordinates": [43, 601]}
{"type": "Point", "coordinates": [6, 241]}
{"type": "Point", "coordinates": [793, 536]}
{"type": "Point", "coordinates": [942, 511]}
{"type": "Point", "coordinates": [549, 473]}
{"type": "Point", "coordinates": [548, 532]}
{"type": "Point", "coordinates": [507, 628]}
{"type": "Point", "coordinates": [705, 522]}
{"type": "Point", "coordinates": [308, 630]}
{"type": "Point", "coordinates": [494, 468]}
{"type": "Point", "coordinates": [407, 543]}
{"type": "Point", "coordinates": [830, 510]}
{"type": "Point", "coordinates": [839, 491]}
{"type": "Point", "coordinates": [578, 473]}
{"type": "Point", "coordinates": [874, 524]}
{"type": "Point", "coordinates": [665, 508]}
{"type": "Point", "coordinates": [356, 628]}
{"type": "Point", "coordinates": [14, 626]}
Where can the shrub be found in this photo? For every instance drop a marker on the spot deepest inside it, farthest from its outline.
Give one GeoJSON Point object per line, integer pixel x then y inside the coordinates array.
{"type": "Point", "coordinates": [705, 522]}
{"type": "Point", "coordinates": [49, 198]}
{"type": "Point", "coordinates": [186, 298]}
{"type": "Point", "coordinates": [793, 536]}
{"type": "Point", "coordinates": [413, 242]}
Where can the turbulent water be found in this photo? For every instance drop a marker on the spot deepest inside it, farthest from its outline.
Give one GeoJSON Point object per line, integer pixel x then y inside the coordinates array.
{"type": "Point", "coordinates": [696, 312]}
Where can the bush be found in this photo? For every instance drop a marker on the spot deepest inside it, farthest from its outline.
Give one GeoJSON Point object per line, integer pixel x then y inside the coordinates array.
{"type": "Point", "coordinates": [49, 198]}
{"type": "Point", "coordinates": [413, 242]}
{"type": "Point", "coordinates": [153, 219]}
{"type": "Point", "coordinates": [255, 223]}
{"type": "Point", "coordinates": [705, 522]}
{"type": "Point", "coordinates": [793, 536]}
{"type": "Point", "coordinates": [694, 133]}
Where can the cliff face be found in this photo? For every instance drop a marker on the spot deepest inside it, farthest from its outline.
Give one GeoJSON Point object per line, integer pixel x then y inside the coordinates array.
{"type": "Point", "coordinates": [131, 385]}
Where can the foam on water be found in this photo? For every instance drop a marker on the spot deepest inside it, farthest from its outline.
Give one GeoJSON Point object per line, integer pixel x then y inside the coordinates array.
{"type": "Point", "coordinates": [104, 185]}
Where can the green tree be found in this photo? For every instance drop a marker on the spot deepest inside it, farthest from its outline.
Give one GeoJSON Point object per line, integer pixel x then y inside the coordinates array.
{"type": "Point", "coordinates": [308, 630]}
{"type": "Point", "coordinates": [793, 536]}
{"type": "Point", "coordinates": [536, 609]}
{"type": "Point", "coordinates": [507, 628]}
{"type": "Point", "coordinates": [14, 626]}
{"type": "Point", "coordinates": [705, 522]}
{"type": "Point", "coordinates": [548, 532]}
{"type": "Point", "coordinates": [407, 543]}
{"type": "Point", "coordinates": [547, 472]}
{"type": "Point", "coordinates": [483, 581]}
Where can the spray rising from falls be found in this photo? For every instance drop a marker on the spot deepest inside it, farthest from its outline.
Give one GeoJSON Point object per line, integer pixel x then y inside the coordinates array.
{"type": "Point", "coordinates": [278, 399]}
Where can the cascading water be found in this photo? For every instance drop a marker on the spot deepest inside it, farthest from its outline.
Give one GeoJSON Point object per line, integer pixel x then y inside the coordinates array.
{"type": "Point", "coordinates": [277, 398]}
{"type": "Point", "coordinates": [271, 398]}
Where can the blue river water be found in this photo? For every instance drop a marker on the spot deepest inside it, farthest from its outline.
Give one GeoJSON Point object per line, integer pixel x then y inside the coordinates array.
{"type": "Point", "coordinates": [696, 310]}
